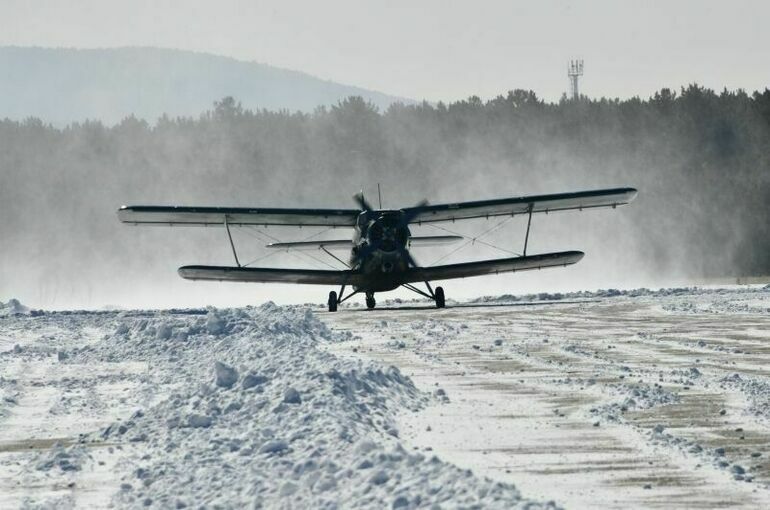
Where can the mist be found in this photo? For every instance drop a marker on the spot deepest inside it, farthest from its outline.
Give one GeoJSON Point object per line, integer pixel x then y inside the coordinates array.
{"type": "Point", "coordinates": [697, 157]}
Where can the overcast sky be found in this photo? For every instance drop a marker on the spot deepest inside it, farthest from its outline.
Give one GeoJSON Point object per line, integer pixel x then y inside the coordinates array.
{"type": "Point", "coordinates": [437, 49]}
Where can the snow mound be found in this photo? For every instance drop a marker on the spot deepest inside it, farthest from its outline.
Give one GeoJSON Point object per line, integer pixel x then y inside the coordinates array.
{"type": "Point", "coordinates": [63, 458]}
{"type": "Point", "coordinates": [255, 414]}
{"type": "Point", "coordinates": [13, 307]}
{"type": "Point", "coordinates": [756, 389]}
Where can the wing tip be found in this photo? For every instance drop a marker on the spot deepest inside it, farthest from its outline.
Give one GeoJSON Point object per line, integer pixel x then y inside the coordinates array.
{"type": "Point", "coordinates": [123, 212]}
{"type": "Point", "coordinates": [565, 257]}
{"type": "Point", "coordinates": [571, 256]}
{"type": "Point", "coordinates": [192, 272]}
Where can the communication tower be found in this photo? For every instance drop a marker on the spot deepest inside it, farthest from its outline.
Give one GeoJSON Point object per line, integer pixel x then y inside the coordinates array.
{"type": "Point", "coordinates": [575, 71]}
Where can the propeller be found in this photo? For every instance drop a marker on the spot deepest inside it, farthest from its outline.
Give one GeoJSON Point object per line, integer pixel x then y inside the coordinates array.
{"type": "Point", "coordinates": [403, 223]}
{"type": "Point", "coordinates": [361, 201]}
{"type": "Point", "coordinates": [412, 212]}
{"type": "Point", "coordinates": [408, 256]}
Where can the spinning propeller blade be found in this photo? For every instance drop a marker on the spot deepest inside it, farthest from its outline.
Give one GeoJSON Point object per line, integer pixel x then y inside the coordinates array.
{"type": "Point", "coordinates": [416, 209]}
{"type": "Point", "coordinates": [406, 218]}
{"type": "Point", "coordinates": [403, 223]}
{"type": "Point", "coordinates": [361, 201]}
{"type": "Point", "coordinates": [408, 256]}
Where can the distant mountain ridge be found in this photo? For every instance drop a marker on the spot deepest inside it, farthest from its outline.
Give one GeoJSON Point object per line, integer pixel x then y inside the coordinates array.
{"type": "Point", "coordinates": [61, 85]}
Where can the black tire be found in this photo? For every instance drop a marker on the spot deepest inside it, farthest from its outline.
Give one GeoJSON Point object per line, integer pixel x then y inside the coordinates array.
{"type": "Point", "coordinates": [332, 301]}
{"type": "Point", "coordinates": [440, 303]}
{"type": "Point", "coordinates": [370, 302]}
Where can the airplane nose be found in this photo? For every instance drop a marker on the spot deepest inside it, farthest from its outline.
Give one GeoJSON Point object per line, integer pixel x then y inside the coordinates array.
{"type": "Point", "coordinates": [387, 267]}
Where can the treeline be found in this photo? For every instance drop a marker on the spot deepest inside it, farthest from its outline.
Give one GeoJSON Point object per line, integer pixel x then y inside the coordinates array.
{"type": "Point", "coordinates": [699, 158]}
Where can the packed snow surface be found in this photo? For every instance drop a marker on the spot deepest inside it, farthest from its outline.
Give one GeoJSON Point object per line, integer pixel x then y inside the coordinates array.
{"type": "Point", "coordinates": [240, 408]}
{"type": "Point", "coordinates": [610, 399]}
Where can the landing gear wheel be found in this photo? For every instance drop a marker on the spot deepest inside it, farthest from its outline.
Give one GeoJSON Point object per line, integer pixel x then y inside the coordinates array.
{"type": "Point", "coordinates": [370, 302]}
{"type": "Point", "coordinates": [332, 301]}
{"type": "Point", "coordinates": [440, 303]}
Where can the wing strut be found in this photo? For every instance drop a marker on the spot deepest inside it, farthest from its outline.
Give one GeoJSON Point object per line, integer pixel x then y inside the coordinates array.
{"type": "Point", "coordinates": [341, 299]}
{"type": "Point", "coordinates": [529, 223]}
{"type": "Point", "coordinates": [336, 258]}
{"type": "Point", "coordinates": [232, 245]}
{"type": "Point", "coordinates": [414, 289]}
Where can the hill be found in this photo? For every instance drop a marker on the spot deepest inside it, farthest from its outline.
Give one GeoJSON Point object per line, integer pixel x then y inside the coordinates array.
{"type": "Point", "coordinates": [65, 85]}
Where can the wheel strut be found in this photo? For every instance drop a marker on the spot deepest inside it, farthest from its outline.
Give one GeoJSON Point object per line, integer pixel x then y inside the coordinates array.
{"type": "Point", "coordinates": [437, 296]}
{"type": "Point", "coordinates": [337, 299]}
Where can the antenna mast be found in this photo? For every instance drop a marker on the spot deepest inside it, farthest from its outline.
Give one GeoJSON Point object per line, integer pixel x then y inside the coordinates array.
{"type": "Point", "coordinates": [575, 71]}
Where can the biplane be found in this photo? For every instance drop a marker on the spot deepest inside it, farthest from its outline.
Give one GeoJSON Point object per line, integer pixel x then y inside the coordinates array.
{"type": "Point", "coordinates": [380, 258]}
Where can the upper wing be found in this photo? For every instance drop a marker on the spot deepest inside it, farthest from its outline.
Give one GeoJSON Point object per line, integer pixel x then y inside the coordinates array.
{"type": "Point", "coordinates": [485, 267]}
{"type": "Point", "coordinates": [170, 215]}
{"type": "Point", "coordinates": [265, 275]}
{"type": "Point", "coordinates": [518, 205]}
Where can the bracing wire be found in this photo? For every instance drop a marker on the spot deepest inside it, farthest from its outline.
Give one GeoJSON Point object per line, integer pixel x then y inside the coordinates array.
{"type": "Point", "coordinates": [477, 238]}
{"type": "Point", "coordinates": [263, 257]}
{"type": "Point", "coordinates": [472, 240]}
{"type": "Point", "coordinates": [262, 236]}
{"type": "Point", "coordinates": [258, 231]}
{"type": "Point", "coordinates": [308, 238]}
{"type": "Point", "coordinates": [303, 254]}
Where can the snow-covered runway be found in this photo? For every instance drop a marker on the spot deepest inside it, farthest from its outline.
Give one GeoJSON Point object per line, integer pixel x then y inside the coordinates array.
{"type": "Point", "coordinates": [601, 400]}
{"type": "Point", "coordinates": [657, 399]}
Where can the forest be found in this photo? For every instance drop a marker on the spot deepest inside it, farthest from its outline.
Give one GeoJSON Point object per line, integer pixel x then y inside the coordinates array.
{"type": "Point", "coordinates": [698, 157]}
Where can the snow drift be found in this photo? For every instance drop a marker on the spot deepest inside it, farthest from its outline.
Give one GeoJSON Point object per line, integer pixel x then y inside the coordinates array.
{"type": "Point", "coordinates": [12, 307]}
{"type": "Point", "coordinates": [250, 411]}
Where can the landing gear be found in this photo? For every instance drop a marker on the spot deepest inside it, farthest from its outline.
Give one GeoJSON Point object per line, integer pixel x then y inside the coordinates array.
{"type": "Point", "coordinates": [370, 302]}
{"type": "Point", "coordinates": [439, 297]}
{"type": "Point", "coordinates": [336, 299]}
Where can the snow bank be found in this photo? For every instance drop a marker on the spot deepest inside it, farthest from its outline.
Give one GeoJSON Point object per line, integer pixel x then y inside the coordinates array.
{"type": "Point", "coordinates": [13, 307]}
{"type": "Point", "coordinates": [688, 292]}
{"type": "Point", "coordinates": [253, 413]}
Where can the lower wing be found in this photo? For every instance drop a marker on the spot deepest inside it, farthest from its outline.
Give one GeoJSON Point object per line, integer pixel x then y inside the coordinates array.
{"type": "Point", "coordinates": [355, 278]}
{"type": "Point", "coordinates": [266, 275]}
{"type": "Point", "coordinates": [486, 267]}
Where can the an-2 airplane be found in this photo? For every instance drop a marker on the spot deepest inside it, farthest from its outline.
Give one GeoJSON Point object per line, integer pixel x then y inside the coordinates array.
{"type": "Point", "coordinates": [379, 250]}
